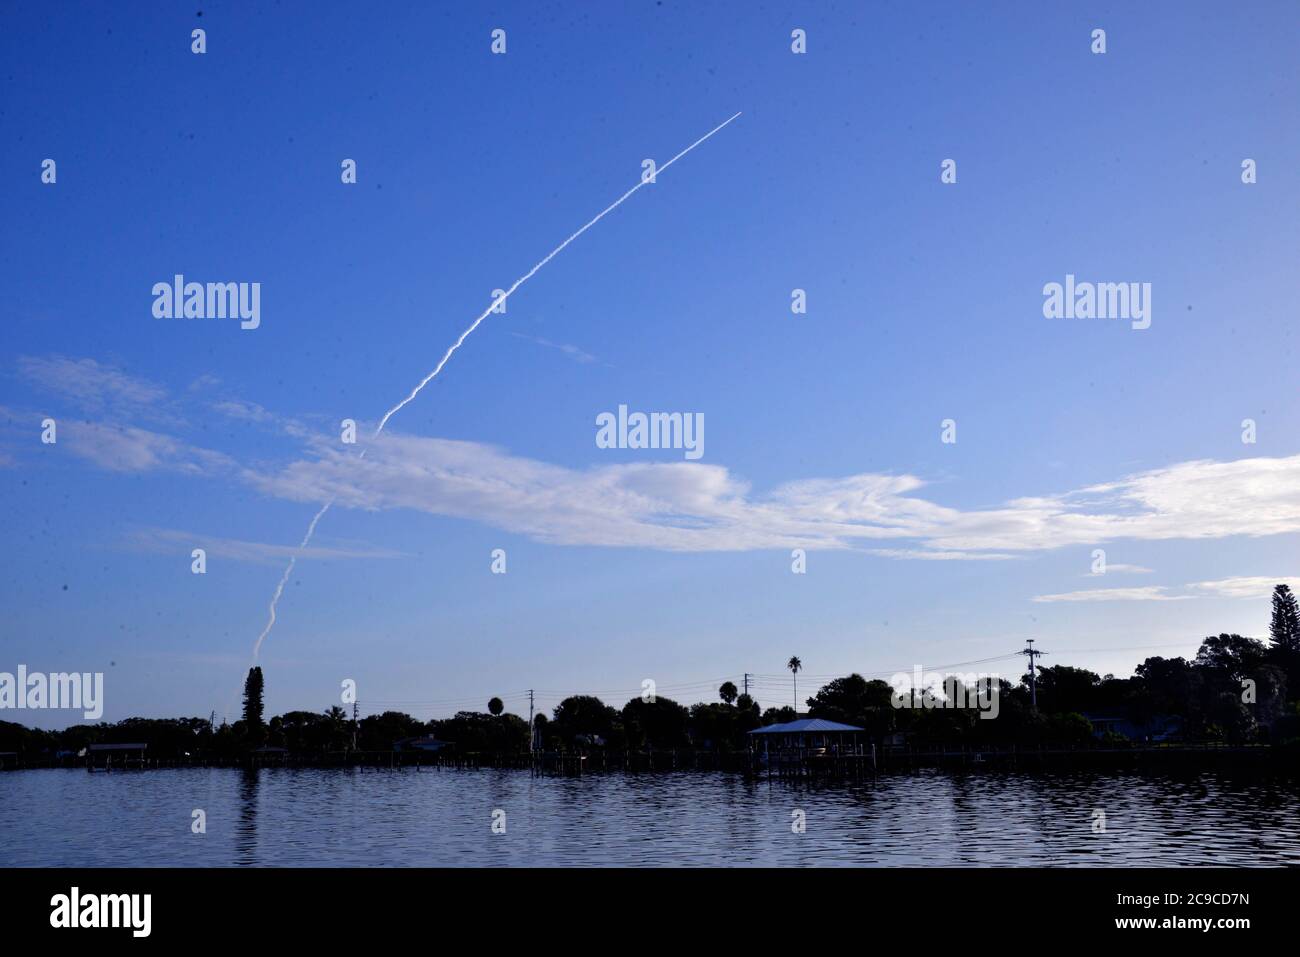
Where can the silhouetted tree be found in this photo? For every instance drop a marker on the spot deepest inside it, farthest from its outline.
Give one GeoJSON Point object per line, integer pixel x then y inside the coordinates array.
{"type": "Point", "coordinates": [780, 715]}
{"type": "Point", "coordinates": [1284, 633]}
{"type": "Point", "coordinates": [1062, 689]}
{"type": "Point", "coordinates": [1166, 686]}
{"type": "Point", "coordinates": [1230, 658]}
{"type": "Point", "coordinates": [254, 727]}
{"type": "Point", "coordinates": [379, 732]}
{"type": "Point", "coordinates": [541, 730]}
{"type": "Point", "coordinates": [495, 706]}
{"type": "Point", "coordinates": [1270, 695]}
{"type": "Point", "coordinates": [728, 692]}
{"type": "Point", "coordinates": [473, 731]}
{"type": "Point", "coordinates": [1069, 728]}
{"type": "Point", "coordinates": [794, 664]}
{"type": "Point", "coordinates": [855, 700]}
{"type": "Point", "coordinates": [1284, 630]}
{"type": "Point", "coordinates": [586, 716]}
{"type": "Point", "coordinates": [661, 723]}
{"type": "Point", "coordinates": [340, 728]}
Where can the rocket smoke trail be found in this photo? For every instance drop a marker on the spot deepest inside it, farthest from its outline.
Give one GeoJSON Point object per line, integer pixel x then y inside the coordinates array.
{"type": "Point", "coordinates": [311, 529]}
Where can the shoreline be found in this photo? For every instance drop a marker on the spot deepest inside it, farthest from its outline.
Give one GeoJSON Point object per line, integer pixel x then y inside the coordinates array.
{"type": "Point", "coordinates": [749, 765]}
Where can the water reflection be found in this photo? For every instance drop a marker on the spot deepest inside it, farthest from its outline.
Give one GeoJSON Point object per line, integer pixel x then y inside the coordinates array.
{"type": "Point", "coordinates": [246, 829]}
{"type": "Point", "coordinates": [431, 817]}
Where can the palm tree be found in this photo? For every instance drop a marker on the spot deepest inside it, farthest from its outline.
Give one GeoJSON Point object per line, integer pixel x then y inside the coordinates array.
{"type": "Point", "coordinates": [794, 664]}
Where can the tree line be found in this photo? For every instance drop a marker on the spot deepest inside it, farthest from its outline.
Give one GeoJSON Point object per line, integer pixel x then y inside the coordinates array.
{"type": "Point", "coordinates": [1234, 690]}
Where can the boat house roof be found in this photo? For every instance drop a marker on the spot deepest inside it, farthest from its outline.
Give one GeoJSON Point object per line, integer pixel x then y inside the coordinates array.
{"type": "Point", "coordinates": [805, 724]}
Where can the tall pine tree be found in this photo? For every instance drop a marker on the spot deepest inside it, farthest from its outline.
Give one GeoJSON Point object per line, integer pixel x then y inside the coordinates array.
{"type": "Point", "coordinates": [1285, 627]}
{"type": "Point", "coordinates": [1284, 631]}
{"type": "Point", "coordinates": [254, 726]}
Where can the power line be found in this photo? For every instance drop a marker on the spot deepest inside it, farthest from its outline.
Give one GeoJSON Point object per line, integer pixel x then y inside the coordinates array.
{"type": "Point", "coordinates": [766, 684]}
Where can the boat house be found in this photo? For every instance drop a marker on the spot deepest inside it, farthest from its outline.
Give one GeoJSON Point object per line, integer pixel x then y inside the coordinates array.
{"type": "Point", "coordinates": [807, 735]}
{"type": "Point", "coordinates": [123, 754]}
{"type": "Point", "coordinates": [421, 743]}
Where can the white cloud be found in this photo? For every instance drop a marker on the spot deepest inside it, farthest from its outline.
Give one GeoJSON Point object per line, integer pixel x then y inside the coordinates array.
{"type": "Point", "coordinates": [1113, 568]}
{"type": "Point", "coordinates": [573, 352]}
{"type": "Point", "coordinates": [1146, 593]}
{"type": "Point", "coordinates": [684, 506]}
{"type": "Point", "coordinates": [174, 540]}
{"type": "Point", "coordinates": [243, 410]}
{"type": "Point", "coordinates": [88, 383]}
{"type": "Point", "coordinates": [700, 507]}
{"type": "Point", "coordinates": [1244, 587]}
{"type": "Point", "coordinates": [920, 553]}
{"type": "Point", "coordinates": [126, 448]}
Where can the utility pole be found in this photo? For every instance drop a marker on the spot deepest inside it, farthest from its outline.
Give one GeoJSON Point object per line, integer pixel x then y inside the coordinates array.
{"type": "Point", "coordinates": [1033, 653]}
{"type": "Point", "coordinates": [532, 731]}
{"type": "Point", "coordinates": [354, 725]}
{"type": "Point", "coordinates": [746, 682]}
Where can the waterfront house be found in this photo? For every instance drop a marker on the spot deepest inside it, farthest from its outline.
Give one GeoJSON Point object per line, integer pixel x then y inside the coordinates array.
{"type": "Point", "coordinates": [1158, 729]}
{"type": "Point", "coordinates": [807, 735]}
{"type": "Point", "coordinates": [895, 742]}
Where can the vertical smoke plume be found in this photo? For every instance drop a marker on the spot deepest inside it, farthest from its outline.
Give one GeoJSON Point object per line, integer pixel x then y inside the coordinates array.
{"type": "Point", "coordinates": [311, 529]}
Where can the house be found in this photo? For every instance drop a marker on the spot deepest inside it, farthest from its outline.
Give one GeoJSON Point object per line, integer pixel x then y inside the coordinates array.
{"type": "Point", "coordinates": [807, 734]}
{"type": "Point", "coordinates": [1157, 729]}
{"type": "Point", "coordinates": [895, 741]}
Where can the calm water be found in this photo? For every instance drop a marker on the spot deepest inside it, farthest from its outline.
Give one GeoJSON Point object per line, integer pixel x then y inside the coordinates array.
{"type": "Point", "coordinates": [443, 817]}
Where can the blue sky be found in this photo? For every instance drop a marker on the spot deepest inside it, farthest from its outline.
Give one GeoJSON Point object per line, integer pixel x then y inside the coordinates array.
{"type": "Point", "coordinates": [823, 430]}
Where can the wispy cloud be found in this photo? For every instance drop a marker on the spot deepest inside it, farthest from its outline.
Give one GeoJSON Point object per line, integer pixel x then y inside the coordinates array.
{"type": "Point", "coordinates": [1147, 593]}
{"type": "Point", "coordinates": [935, 556]}
{"type": "Point", "coordinates": [90, 388]}
{"type": "Point", "coordinates": [127, 448]}
{"type": "Point", "coordinates": [261, 553]}
{"type": "Point", "coordinates": [1260, 586]}
{"type": "Point", "coordinates": [701, 507]}
{"type": "Point", "coordinates": [1118, 568]}
{"type": "Point", "coordinates": [89, 384]}
{"type": "Point", "coordinates": [1253, 587]}
{"type": "Point", "coordinates": [573, 352]}
{"type": "Point", "coordinates": [687, 506]}
{"type": "Point", "coordinates": [243, 410]}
